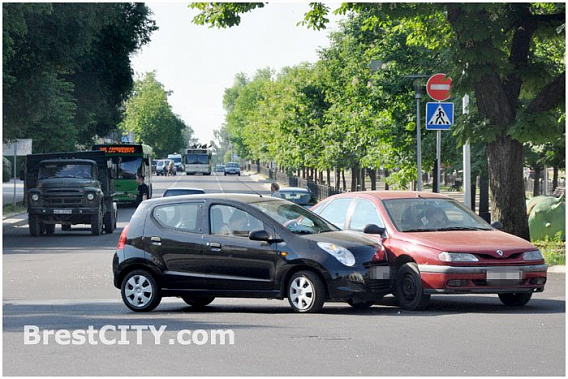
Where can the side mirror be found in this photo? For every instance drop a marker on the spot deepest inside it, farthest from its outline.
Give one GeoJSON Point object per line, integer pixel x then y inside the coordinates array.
{"type": "Point", "coordinates": [497, 225]}
{"type": "Point", "coordinates": [373, 229]}
{"type": "Point", "coordinates": [262, 235]}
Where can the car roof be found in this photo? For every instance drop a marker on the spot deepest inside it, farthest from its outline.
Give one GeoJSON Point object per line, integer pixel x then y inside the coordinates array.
{"type": "Point", "coordinates": [384, 195]}
{"type": "Point", "coordinates": [238, 197]}
{"type": "Point", "coordinates": [294, 189]}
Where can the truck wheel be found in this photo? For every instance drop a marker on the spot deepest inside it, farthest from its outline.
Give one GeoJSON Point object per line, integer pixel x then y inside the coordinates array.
{"type": "Point", "coordinates": [49, 229]}
{"type": "Point", "coordinates": [35, 225]}
{"type": "Point", "coordinates": [97, 223]}
{"type": "Point", "coordinates": [109, 222]}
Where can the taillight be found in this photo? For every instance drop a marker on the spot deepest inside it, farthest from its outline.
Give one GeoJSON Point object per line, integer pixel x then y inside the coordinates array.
{"type": "Point", "coordinates": [122, 239]}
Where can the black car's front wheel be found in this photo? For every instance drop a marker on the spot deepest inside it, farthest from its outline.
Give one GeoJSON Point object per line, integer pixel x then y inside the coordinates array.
{"type": "Point", "coordinates": [408, 288]}
{"type": "Point", "coordinates": [140, 291]}
{"type": "Point", "coordinates": [515, 299]}
{"type": "Point", "coordinates": [306, 292]}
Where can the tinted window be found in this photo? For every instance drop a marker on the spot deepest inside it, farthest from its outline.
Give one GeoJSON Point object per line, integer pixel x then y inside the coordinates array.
{"type": "Point", "coordinates": [230, 221]}
{"type": "Point", "coordinates": [129, 167]}
{"type": "Point", "coordinates": [365, 213]}
{"type": "Point", "coordinates": [336, 212]}
{"type": "Point", "coordinates": [184, 216]}
{"type": "Point", "coordinates": [178, 192]}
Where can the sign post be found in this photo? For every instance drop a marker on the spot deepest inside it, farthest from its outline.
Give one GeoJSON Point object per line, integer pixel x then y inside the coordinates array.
{"type": "Point", "coordinates": [19, 147]}
{"type": "Point", "coordinates": [439, 116]}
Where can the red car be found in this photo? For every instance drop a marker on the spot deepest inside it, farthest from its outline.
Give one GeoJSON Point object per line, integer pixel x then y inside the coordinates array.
{"type": "Point", "coordinates": [435, 245]}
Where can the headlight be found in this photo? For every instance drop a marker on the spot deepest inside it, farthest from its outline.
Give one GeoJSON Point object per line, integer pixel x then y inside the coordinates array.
{"type": "Point", "coordinates": [340, 253]}
{"type": "Point", "coordinates": [90, 196]}
{"type": "Point", "coordinates": [457, 257]}
{"type": "Point", "coordinates": [35, 197]}
{"type": "Point", "coordinates": [533, 256]}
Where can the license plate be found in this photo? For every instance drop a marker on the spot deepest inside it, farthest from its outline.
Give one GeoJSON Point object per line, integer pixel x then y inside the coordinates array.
{"type": "Point", "coordinates": [504, 274]}
{"type": "Point", "coordinates": [62, 211]}
{"type": "Point", "coordinates": [380, 272]}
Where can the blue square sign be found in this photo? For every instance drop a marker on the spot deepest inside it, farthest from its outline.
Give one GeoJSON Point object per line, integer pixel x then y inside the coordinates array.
{"type": "Point", "coordinates": [439, 116]}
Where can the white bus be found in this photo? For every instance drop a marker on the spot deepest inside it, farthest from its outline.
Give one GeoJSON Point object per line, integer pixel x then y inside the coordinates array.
{"type": "Point", "coordinates": [197, 160]}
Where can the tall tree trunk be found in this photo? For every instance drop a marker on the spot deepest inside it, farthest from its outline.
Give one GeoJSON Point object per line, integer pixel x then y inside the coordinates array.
{"type": "Point", "coordinates": [344, 181]}
{"type": "Point", "coordinates": [387, 173]}
{"type": "Point", "coordinates": [354, 175]}
{"type": "Point", "coordinates": [373, 176]}
{"type": "Point", "coordinates": [537, 176]}
{"type": "Point", "coordinates": [328, 177]}
{"type": "Point", "coordinates": [508, 204]}
{"type": "Point", "coordinates": [555, 179]}
{"type": "Point", "coordinates": [362, 177]}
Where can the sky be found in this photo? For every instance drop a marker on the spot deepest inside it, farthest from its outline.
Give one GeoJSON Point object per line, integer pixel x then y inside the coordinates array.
{"type": "Point", "coordinates": [198, 63]}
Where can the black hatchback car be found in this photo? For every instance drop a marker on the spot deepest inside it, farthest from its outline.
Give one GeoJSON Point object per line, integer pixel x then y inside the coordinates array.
{"type": "Point", "coordinates": [199, 247]}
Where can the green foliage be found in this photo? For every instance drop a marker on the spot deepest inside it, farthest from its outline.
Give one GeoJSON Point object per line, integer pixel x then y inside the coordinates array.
{"type": "Point", "coordinates": [6, 170]}
{"type": "Point", "coordinates": [553, 250]}
{"type": "Point", "coordinates": [67, 69]}
{"type": "Point", "coordinates": [149, 116]}
{"type": "Point", "coordinates": [222, 15]}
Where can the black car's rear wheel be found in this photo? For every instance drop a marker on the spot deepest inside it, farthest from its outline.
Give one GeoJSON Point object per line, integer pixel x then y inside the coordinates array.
{"type": "Point", "coordinates": [140, 291]}
{"type": "Point", "coordinates": [198, 302]}
{"type": "Point", "coordinates": [408, 288]}
{"type": "Point", "coordinates": [306, 292]}
{"type": "Point", "coordinates": [515, 299]}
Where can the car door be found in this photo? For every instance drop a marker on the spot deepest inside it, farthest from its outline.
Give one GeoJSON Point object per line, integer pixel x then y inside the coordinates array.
{"type": "Point", "coordinates": [174, 236]}
{"type": "Point", "coordinates": [234, 262]}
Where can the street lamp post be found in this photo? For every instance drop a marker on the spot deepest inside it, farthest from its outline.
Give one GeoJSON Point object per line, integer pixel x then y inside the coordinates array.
{"type": "Point", "coordinates": [418, 96]}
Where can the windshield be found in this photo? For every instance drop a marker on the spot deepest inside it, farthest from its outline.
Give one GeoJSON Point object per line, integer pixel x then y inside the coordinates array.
{"type": "Point", "coordinates": [428, 215]}
{"type": "Point", "coordinates": [66, 170]}
{"type": "Point", "coordinates": [197, 159]}
{"type": "Point", "coordinates": [298, 197]}
{"type": "Point", "coordinates": [176, 159]}
{"type": "Point", "coordinates": [128, 167]}
{"type": "Point", "coordinates": [296, 219]}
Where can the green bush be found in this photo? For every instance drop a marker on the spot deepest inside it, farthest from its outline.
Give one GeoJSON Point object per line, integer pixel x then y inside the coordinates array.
{"type": "Point", "coordinates": [6, 170]}
{"type": "Point", "coordinates": [554, 250]}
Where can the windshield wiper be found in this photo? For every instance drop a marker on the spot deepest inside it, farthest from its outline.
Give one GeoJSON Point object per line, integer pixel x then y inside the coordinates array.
{"type": "Point", "coordinates": [461, 228]}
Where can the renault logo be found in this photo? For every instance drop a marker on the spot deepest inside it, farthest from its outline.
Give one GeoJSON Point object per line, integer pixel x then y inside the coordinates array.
{"type": "Point", "coordinates": [500, 253]}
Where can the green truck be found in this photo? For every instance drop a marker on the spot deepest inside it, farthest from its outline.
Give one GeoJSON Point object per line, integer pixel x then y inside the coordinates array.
{"type": "Point", "coordinates": [69, 189]}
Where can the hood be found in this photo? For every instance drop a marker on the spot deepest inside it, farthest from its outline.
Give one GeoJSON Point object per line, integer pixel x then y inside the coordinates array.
{"type": "Point", "coordinates": [346, 238]}
{"type": "Point", "coordinates": [470, 241]}
{"type": "Point", "coordinates": [56, 183]}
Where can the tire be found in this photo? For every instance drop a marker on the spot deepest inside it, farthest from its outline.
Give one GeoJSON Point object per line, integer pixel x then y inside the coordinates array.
{"type": "Point", "coordinates": [515, 299]}
{"type": "Point", "coordinates": [408, 288]}
{"type": "Point", "coordinates": [109, 222]}
{"type": "Point", "coordinates": [97, 223]}
{"type": "Point", "coordinates": [360, 305]}
{"type": "Point", "coordinates": [306, 292]}
{"type": "Point", "coordinates": [35, 226]}
{"type": "Point", "coordinates": [65, 227]}
{"type": "Point", "coordinates": [198, 302]}
{"type": "Point", "coordinates": [140, 291]}
{"type": "Point", "coordinates": [49, 229]}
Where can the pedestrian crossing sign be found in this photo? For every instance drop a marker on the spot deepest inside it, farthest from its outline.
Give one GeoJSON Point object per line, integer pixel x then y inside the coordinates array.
{"type": "Point", "coordinates": [439, 116]}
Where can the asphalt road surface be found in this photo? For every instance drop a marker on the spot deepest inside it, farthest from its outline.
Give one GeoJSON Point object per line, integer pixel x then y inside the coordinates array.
{"type": "Point", "coordinates": [62, 316]}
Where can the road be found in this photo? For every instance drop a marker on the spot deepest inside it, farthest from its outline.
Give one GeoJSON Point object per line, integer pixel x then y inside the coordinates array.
{"type": "Point", "coordinates": [64, 282]}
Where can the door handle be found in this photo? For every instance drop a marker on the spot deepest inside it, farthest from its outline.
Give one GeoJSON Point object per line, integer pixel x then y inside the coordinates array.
{"type": "Point", "coordinates": [156, 240]}
{"type": "Point", "coordinates": [214, 246]}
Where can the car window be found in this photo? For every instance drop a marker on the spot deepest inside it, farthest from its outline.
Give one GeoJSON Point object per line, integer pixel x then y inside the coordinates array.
{"type": "Point", "coordinates": [365, 213]}
{"type": "Point", "coordinates": [336, 212]}
{"type": "Point", "coordinates": [230, 221]}
{"type": "Point", "coordinates": [183, 216]}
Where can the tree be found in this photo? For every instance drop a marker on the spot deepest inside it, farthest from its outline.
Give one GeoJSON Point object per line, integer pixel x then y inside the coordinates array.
{"type": "Point", "coordinates": [149, 116]}
{"type": "Point", "coordinates": [494, 53]}
{"type": "Point", "coordinates": [66, 69]}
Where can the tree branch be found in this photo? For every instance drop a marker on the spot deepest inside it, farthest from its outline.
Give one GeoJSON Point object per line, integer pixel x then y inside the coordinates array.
{"type": "Point", "coordinates": [551, 96]}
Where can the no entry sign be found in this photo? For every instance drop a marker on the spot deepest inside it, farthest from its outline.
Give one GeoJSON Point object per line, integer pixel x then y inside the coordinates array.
{"type": "Point", "coordinates": [439, 86]}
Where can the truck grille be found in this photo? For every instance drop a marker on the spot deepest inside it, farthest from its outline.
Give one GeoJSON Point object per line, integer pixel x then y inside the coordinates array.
{"type": "Point", "coordinates": [58, 198]}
